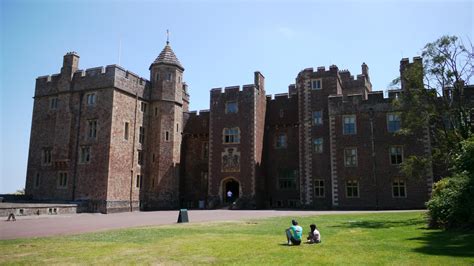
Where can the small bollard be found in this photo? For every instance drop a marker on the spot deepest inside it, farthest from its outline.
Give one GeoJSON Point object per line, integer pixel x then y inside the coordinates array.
{"type": "Point", "coordinates": [183, 216]}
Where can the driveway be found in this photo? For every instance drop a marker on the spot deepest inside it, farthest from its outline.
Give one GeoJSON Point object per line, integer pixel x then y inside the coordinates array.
{"type": "Point", "coordinates": [54, 225]}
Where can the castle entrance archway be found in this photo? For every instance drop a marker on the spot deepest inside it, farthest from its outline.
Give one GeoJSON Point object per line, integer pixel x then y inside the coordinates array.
{"type": "Point", "coordinates": [233, 186]}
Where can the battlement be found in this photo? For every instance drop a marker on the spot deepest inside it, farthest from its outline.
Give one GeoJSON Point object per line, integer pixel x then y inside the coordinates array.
{"type": "Point", "coordinates": [374, 97]}
{"type": "Point", "coordinates": [406, 60]}
{"type": "Point", "coordinates": [233, 89]}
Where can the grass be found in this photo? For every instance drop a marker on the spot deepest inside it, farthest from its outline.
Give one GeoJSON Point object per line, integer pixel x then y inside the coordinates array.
{"type": "Point", "coordinates": [384, 238]}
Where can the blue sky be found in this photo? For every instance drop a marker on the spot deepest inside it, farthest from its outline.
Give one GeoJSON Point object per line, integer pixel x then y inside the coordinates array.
{"type": "Point", "coordinates": [220, 43]}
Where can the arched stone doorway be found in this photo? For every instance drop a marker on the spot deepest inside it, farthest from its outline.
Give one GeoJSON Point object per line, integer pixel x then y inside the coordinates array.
{"type": "Point", "coordinates": [233, 186]}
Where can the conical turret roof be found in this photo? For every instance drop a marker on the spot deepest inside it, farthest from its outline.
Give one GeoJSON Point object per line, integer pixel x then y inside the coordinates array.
{"type": "Point", "coordinates": [168, 57]}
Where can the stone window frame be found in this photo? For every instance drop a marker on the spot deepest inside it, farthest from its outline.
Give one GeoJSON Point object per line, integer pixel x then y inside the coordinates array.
{"type": "Point", "coordinates": [318, 145]}
{"type": "Point", "coordinates": [352, 185]}
{"type": "Point", "coordinates": [317, 120]}
{"type": "Point", "coordinates": [62, 180]}
{"type": "Point", "coordinates": [141, 135]}
{"type": "Point", "coordinates": [319, 188]}
{"type": "Point", "coordinates": [398, 161]}
{"type": "Point", "coordinates": [37, 181]}
{"type": "Point", "coordinates": [53, 102]}
{"type": "Point", "coordinates": [92, 126]}
{"type": "Point", "coordinates": [289, 180]}
{"type": "Point", "coordinates": [140, 157]}
{"type": "Point", "coordinates": [126, 130]}
{"type": "Point", "coordinates": [355, 164]}
{"type": "Point", "coordinates": [228, 110]}
{"type": "Point", "coordinates": [392, 125]}
{"type": "Point", "coordinates": [316, 84]}
{"type": "Point", "coordinates": [231, 135]}
{"type": "Point", "coordinates": [91, 99]}
{"type": "Point", "coordinates": [85, 155]}
{"type": "Point", "coordinates": [281, 140]}
{"type": "Point", "coordinates": [139, 181]}
{"type": "Point", "coordinates": [143, 107]}
{"type": "Point", "coordinates": [399, 186]}
{"type": "Point", "coordinates": [47, 156]}
{"type": "Point", "coordinates": [345, 130]}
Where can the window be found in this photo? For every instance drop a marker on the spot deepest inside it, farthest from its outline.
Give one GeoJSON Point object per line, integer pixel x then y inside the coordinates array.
{"type": "Point", "coordinates": [153, 157]}
{"type": "Point", "coordinates": [316, 84]}
{"type": "Point", "coordinates": [157, 76]}
{"type": "Point", "coordinates": [177, 127]}
{"type": "Point", "coordinates": [91, 99]}
{"type": "Point", "coordinates": [319, 188]}
{"type": "Point", "coordinates": [143, 107]}
{"type": "Point", "coordinates": [62, 180]}
{"type": "Point", "coordinates": [232, 135]}
{"type": "Point", "coordinates": [141, 135]}
{"type": "Point", "coordinates": [231, 107]}
{"type": "Point", "coordinates": [92, 129]}
{"type": "Point", "coordinates": [37, 180]}
{"type": "Point", "coordinates": [125, 131]}
{"type": "Point", "coordinates": [393, 122]}
{"type": "Point", "coordinates": [349, 125]}
{"type": "Point", "coordinates": [399, 188]}
{"type": "Point", "coordinates": [47, 156]}
{"type": "Point", "coordinates": [281, 141]}
{"type": "Point", "coordinates": [140, 157]}
{"type": "Point", "coordinates": [318, 145]}
{"type": "Point", "coordinates": [287, 179]}
{"type": "Point", "coordinates": [167, 135]}
{"type": "Point", "coordinates": [138, 181]}
{"type": "Point", "coordinates": [168, 76]}
{"type": "Point", "coordinates": [85, 154]}
{"type": "Point", "coordinates": [396, 154]}
{"type": "Point", "coordinates": [205, 150]}
{"type": "Point", "coordinates": [352, 188]}
{"type": "Point", "coordinates": [53, 103]}
{"type": "Point", "coordinates": [156, 111]}
{"type": "Point", "coordinates": [282, 113]}
{"type": "Point", "coordinates": [317, 118]}
{"type": "Point", "coordinates": [350, 157]}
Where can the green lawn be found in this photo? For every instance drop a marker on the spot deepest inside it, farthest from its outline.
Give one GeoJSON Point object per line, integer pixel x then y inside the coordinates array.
{"type": "Point", "coordinates": [385, 238]}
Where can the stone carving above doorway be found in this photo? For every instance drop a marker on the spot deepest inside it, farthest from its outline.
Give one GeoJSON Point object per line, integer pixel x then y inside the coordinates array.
{"type": "Point", "coordinates": [231, 160]}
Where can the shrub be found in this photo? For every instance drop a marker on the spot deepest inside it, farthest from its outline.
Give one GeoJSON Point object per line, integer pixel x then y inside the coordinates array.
{"type": "Point", "coordinates": [452, 202]}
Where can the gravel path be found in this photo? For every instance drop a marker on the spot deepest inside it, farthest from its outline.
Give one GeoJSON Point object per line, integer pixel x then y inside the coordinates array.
{"type": "Point", "coordinates": [53, 225]}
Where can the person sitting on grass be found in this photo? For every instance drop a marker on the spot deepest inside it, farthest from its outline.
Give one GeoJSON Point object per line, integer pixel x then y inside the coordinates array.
{"type": "Point", "coordinates": [294, 233]}
{"type": "Point", "coordinates": [314, 235]}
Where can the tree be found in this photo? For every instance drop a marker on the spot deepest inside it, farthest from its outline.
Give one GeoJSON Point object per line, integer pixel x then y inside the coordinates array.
{"type": "Point", "coordinates": [433, 96]}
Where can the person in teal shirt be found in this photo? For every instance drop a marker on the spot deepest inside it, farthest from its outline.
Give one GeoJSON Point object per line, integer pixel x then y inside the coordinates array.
{"type": "Point", "coordinates": [294, 233]}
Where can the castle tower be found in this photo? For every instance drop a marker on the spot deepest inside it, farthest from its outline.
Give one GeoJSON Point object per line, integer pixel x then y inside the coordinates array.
{"type": "Point", "coordinates": [164, 130]}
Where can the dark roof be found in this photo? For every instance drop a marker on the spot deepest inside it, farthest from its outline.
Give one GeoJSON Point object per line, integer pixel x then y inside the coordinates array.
{"type": "Point", "coordinates": [168, 57]}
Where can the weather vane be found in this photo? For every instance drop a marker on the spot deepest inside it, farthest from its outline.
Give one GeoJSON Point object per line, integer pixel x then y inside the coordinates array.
{"type": "Point", "coordinates": [167, 37]}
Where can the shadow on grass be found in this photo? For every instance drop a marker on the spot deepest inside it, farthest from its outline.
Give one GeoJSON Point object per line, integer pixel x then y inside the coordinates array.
{"type": "Point", "coordinates": [446, 243]}
{"type": "Point", "coordinates": [379, 224]}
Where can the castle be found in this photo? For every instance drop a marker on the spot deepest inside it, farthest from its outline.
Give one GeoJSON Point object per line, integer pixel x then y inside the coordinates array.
{"type": "Point", "coordinates": [113, 141]}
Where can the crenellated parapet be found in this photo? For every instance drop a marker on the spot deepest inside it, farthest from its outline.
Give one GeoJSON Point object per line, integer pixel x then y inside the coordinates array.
{"type": "Point", "coordinates": [111, 76]}
{"type": "Point", "coordinates": [353, 103]}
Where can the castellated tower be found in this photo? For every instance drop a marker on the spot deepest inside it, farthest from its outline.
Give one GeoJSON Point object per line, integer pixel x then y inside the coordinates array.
{"type": "Point", "coordinates": [168, 100]}
{"type": "Point", "coordinates": [236, 130]}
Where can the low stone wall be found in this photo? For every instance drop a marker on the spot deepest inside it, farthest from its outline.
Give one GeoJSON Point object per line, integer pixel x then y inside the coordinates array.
{"type": "Point", "coordinates": [29, 209]}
